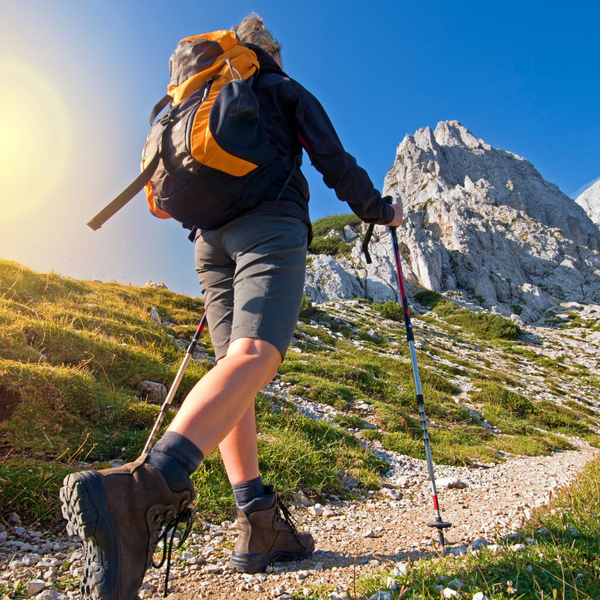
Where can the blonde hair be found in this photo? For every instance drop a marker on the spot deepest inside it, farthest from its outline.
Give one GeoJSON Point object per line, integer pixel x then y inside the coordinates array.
{"type": "Point", "coordinates": [252, 30]}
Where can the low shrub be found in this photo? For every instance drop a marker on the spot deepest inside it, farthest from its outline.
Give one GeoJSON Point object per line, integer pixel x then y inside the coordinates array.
{"type": "Point", "coordinates": [390, 310]}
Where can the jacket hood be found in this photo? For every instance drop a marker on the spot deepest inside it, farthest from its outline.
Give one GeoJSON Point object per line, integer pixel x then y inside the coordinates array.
{"type": "Point", "coordinates": [266, 61]}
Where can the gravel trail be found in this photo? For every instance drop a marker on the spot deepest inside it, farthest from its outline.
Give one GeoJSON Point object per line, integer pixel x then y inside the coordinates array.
{"type": "Point", "coordinates": [382, 531]}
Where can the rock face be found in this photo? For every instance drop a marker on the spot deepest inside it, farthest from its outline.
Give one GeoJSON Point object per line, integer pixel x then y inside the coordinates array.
{"type": "Point", "coordinates": [479, 220]}
{"type": "Point", "coordinates": [589, 200]}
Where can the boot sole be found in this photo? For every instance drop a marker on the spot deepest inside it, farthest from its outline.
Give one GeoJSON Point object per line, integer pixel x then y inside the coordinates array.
{"type": "Point", "coordinates": [256, 563]}
{"type": "Point", "coordinates": [84, 507]}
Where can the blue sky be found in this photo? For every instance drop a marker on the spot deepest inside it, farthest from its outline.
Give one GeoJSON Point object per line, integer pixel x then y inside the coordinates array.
{"type": "Point", "coordinates": [524, 76]}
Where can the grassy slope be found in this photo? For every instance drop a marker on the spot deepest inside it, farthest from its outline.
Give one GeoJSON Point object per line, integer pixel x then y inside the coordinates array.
{"type": "Point", "coordinates": [71, 356]}
{"type": "Point", "coordinates": [73, 352]}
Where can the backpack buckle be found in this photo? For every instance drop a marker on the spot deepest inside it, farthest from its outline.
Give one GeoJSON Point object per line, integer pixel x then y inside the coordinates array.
{"type": "Point", "coordinates": [167, 117]}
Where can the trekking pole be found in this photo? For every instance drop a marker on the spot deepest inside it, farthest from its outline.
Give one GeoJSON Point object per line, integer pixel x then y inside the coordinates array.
{"type": "Point", "coordinates": [169, 399]}
{"type": "Point", "coordinates": [439, 524]}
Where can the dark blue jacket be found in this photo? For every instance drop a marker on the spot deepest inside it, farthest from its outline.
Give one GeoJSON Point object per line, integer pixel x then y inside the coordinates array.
{"type": "Point", "coordinates": [294, 119]}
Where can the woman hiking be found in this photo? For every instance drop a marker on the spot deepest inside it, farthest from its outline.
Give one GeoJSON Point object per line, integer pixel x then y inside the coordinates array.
{"type": "Point", "coordinates": [251, 271]}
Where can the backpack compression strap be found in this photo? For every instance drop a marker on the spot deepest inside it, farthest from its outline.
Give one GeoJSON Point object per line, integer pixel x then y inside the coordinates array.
{"type": "Point", "coordinates": [126, 195]}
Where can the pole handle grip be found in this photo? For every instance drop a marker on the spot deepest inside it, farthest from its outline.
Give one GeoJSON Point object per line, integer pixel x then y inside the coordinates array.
{"type": "Point", "coordinates": [365, 243]}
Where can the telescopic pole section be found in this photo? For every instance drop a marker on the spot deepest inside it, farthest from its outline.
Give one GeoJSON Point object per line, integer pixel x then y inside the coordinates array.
{"type": "Point", "coordinates": [439, 524]}
{"type": "Point", "coordinates": [169, 399]}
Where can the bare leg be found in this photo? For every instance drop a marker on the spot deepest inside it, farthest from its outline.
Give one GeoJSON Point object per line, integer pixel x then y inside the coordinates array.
{"type": "Point", "coordinates": [225, 394]}
{"type": "Point", "coordinates": [239, 450]}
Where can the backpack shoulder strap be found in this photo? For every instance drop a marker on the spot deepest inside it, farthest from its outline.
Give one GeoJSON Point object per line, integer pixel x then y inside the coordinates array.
{"type": "Point", "coordinates": [164, 101]}
{"type": "Point", "coordinates": [126, 195]}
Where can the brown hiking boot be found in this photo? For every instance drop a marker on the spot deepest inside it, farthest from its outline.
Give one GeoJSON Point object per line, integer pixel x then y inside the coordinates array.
{"type": "Point", "coordinates": [121, 514]}
{"type": "Point", "coordinates": [267, 534]}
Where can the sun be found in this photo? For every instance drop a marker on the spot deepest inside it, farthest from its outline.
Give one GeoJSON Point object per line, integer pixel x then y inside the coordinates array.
{"type": "Point", "coordinates": [35, 139]}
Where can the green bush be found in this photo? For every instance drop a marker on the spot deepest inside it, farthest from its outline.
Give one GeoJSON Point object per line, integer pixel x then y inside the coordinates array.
{"type": "Point", "coordinates": [307, 308]}
{"type": "Point", "coordinates": [429, 298]}
{"type": "Point", "coordinates": [323, 226]}
{"type": "Point", "coordinates": [331, 245]}
{"type": "Point", "coordinates": [390, 310]}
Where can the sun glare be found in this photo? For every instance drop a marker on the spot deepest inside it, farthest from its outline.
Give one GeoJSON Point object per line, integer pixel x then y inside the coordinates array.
{"type": "Point", "coordinates": [34, 138]}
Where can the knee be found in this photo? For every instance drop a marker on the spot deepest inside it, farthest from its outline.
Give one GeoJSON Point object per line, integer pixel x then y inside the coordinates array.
{"type": "Point", "coordinates": [261, 355]}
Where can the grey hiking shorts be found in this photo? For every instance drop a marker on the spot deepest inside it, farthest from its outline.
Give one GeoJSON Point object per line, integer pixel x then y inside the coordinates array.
{"type": "Point", "coordinates": [252, 274]}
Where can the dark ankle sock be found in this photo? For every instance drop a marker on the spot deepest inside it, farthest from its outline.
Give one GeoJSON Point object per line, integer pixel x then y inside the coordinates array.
{"type": "Point", "coordinates": [247, 491]}
{"type": "Point", "coordinates": [177, 446]}
{"type": "Point", "coordinates": [176, 458]}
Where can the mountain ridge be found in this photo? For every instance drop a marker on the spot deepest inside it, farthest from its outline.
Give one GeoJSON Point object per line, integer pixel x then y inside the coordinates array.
{"type": "Point", "coordinates": [481, 223]}
{"type": "Point", "coordinates": [589, 200]}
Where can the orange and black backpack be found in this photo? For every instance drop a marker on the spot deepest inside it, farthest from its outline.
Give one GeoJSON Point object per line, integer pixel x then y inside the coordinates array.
{"type": "Point", "coordinates": [207, 158]}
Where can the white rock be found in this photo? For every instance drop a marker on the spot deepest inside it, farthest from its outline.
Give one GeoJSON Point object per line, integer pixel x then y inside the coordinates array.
{"type": "Point", "coordinates": [301, 498]}
{"type": "Point", "coordinates": [35, 586]}
{"type": "Point", "coordinates": [188, 556]}
{"type": "Point", "coordinates": [14, 519]}
{"type": "Point", "coordinates": [152, 391]}
{"type": "Point", "coordinates": [159, 286]}
{"type": "Point", "coordinates": [155, 316]}
{"type": "Point", "coordinates": [392, 493]}
{"type": "Point", "coordinates": [589, 200]}
{"type": "Point", "coordinates": [456, 584]}
{"type": "Point", "coordinates": [401, 568]}
{"type": "Point", "coordinates": [381, 595]}
{"type": "Point", "coordinates": [30, 559]}
{"type": "Point", "coordinates": [480, 596]}
{"type": "Point", "coordinates": [391, 584]}
{"type": "Point", "coordinates": [450, 483]}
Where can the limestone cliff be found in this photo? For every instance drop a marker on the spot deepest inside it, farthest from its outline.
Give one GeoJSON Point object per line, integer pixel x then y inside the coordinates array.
{"type": "Point", "coordinates": [481, 221]}
{"type": "Point", "coordinates": [589, 200]}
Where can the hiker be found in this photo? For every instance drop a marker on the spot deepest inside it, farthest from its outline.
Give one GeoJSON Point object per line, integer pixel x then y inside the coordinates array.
{"type": "Point", "coordinates": [251, 271]}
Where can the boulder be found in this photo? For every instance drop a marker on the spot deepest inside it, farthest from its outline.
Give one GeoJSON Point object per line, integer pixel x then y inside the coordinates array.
{"type": "Point", "coordinates": [152, 392]}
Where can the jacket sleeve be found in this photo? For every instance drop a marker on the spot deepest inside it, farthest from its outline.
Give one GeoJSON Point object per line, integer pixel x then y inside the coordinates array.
{"type": "Point", "coordinates": [339, 169]}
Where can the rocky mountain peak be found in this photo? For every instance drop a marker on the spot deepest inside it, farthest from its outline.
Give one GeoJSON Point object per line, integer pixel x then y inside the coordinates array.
{"type": "Point", "coordinates": [589, 200]}
{"type": "Point", "coordinates": [480, 221]}
{"type": "Point", "coordinates": [451, 156]}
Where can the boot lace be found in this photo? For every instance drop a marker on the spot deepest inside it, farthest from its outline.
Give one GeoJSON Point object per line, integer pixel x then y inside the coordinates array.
{"type": "Point", "coordinates": [165, 533]}
{"type": "Point", "coordinates": [284, 515]}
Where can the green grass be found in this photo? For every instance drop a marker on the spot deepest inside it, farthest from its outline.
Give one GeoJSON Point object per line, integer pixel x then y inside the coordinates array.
{"type": "Point", "coordinates": [295, 453]}
{"type": "Point", "coordinates": [30, 488]}
{"type": "Point", "coordinates": [323, 226]}
{"type": "Point", "coordinates": [334, 245]}
{"type": "Point", "coordinates": [390, 310]}
{"type": "Point", "coordinates": [516, 415]}
{"type": "Point", "coordinates": [483, 325]}
{"type": "Point", "coordinates": [80, 401]}
{"type": "Point", "coordinates": [493, 393]}
{"type": "Point", "coordinates": [73, 352]}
